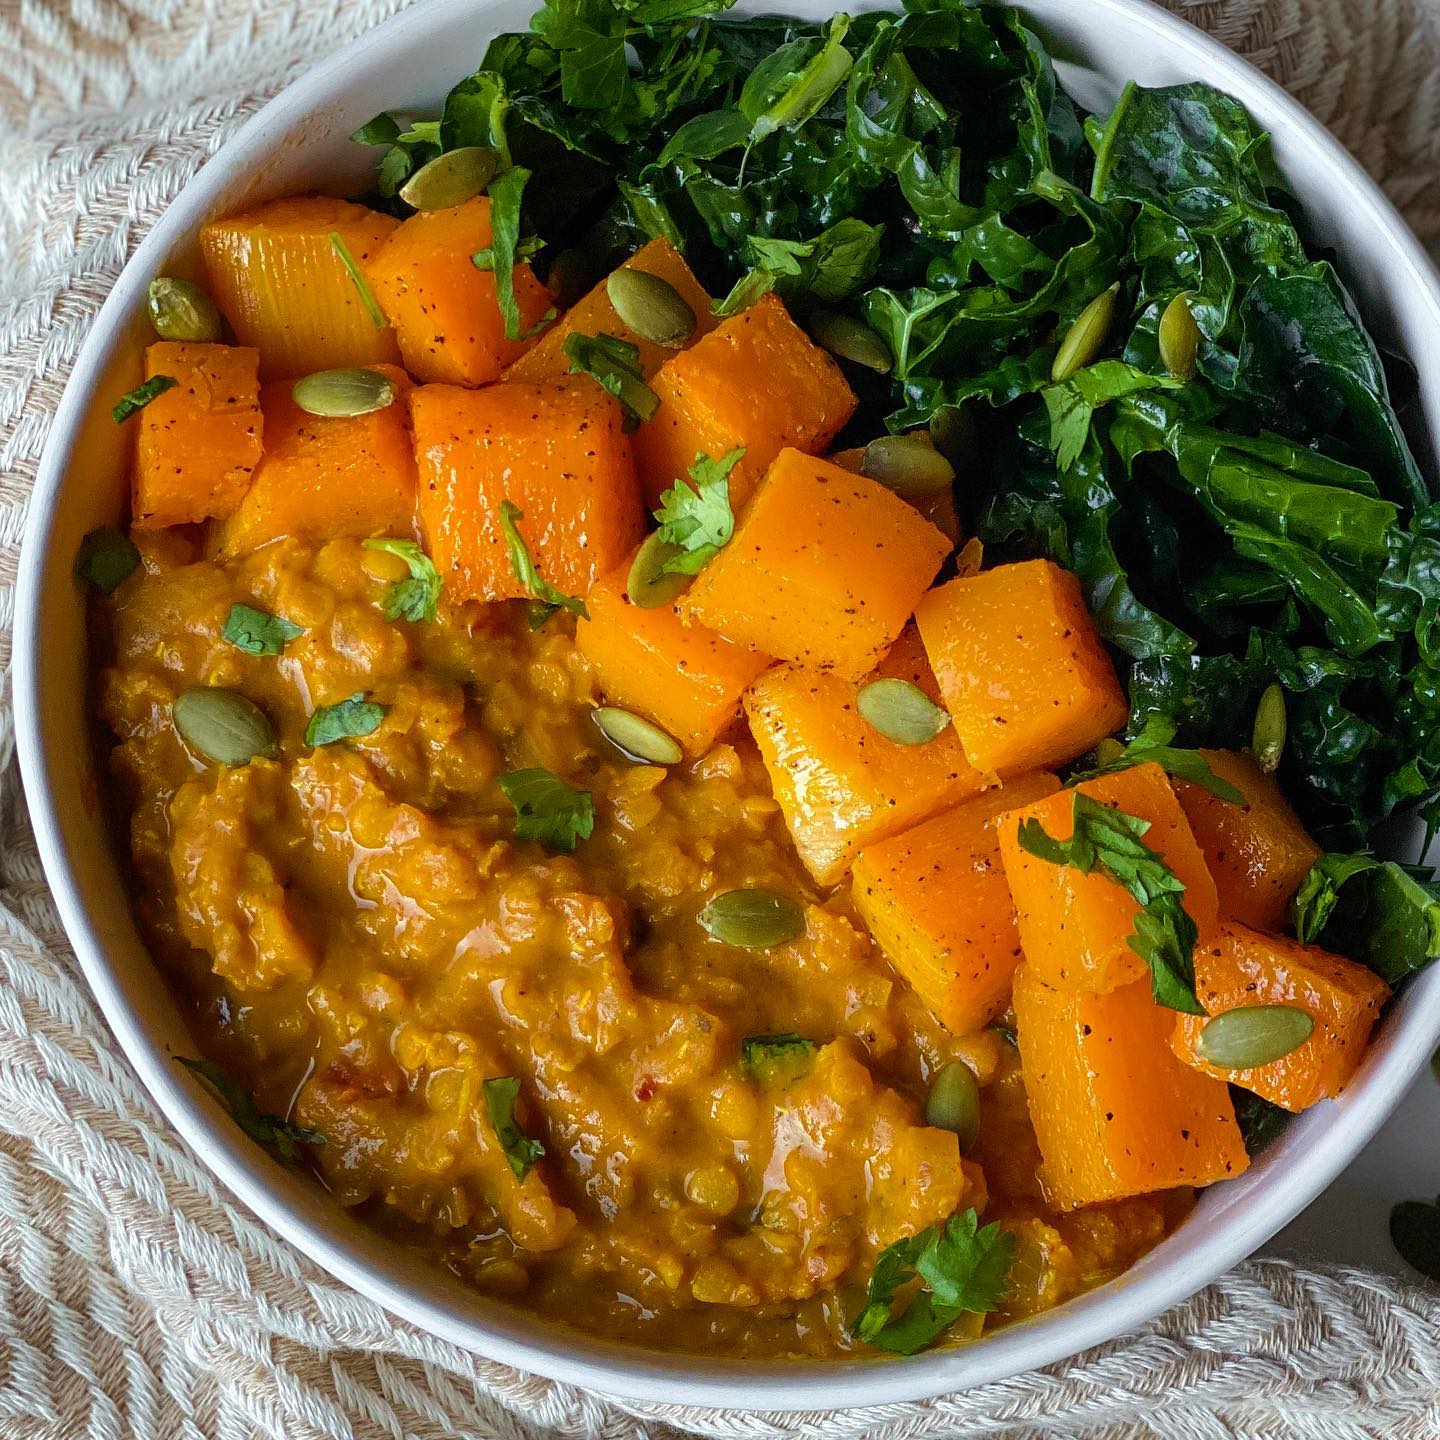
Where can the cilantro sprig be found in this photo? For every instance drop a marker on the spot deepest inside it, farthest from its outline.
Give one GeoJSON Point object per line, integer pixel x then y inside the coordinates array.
{"type": "Point", "coordinates": [349, 719]}
{"type": "Point", "coordinates": [1112, 842]}
{"type": "Point", "coordinates": [698, 519]}
{"type": "Point", "coordinates": [134, 401]}
{"type": "Point", "coordinates": [272, 1131]}
{"type": "Point", "coordinates": [258, 632]}
{"type": "Point", "coordinates": [502, 254]}
{"type": "Point", "coordinates": [520, 1150]}
{"type": "Point", "coordinates": [614, 365]}
{"type": "Point", "coordinates": [522, 566]}
{"type": "Point", "coordinates": [960, 1268]}
{"type": "Point", "coordinates": [417, 596]}
{"type": "Point", "coordinates": [1152, 746]}
{"type": "Point", "coordinates": [547, 809]}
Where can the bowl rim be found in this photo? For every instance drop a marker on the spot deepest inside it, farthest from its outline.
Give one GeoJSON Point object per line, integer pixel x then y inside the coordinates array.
{"type": "Point", "coordinates": [571, 1357]}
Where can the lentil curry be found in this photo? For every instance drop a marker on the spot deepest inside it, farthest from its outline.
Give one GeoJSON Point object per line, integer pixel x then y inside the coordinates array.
{"type": "Point", "coordinates": [636, 849]}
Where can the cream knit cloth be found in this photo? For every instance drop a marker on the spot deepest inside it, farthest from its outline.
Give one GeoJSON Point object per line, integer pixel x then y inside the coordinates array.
{"type": "Point", "coordinates": [137, 1300]}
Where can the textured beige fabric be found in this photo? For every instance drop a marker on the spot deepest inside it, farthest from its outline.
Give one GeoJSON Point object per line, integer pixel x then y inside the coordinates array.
{"type": "Point", "coordinates": [136, 1299]}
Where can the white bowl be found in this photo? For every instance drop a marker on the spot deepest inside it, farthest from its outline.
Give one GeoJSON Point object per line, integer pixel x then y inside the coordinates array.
{"type": "Point", "coordinates": [298, 142]}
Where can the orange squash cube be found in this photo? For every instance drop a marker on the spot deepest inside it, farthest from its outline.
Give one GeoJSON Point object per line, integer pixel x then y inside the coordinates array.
{"type": "Point", "coordinates": [322, 478]}
{"type": "Point", "coordinates": [1115, 1112]}
{"type": "Point", "coordinates": [1076, 928]}
{"type": "Point", "coordinates": [278, 281]}
{"type": "Point", "coordinates": [1242, 967]}
{"type": "Point", "coordinates": [840, 783]}
{"type": "Point", "coordinates": [936, 901]}
{"type": "Point", "coordinates": [823, 569]}
{"type": "Point", "coordinates": [595, 315]}
{"type": "Point", "coordinates": [445, 312]}
{"type": "Point", "coordinates": [685, 678]}
{"type": "Point", "coordinates": [1021, 666]}
{"type": "Point", "coordinates": [1258, 852]}
{"type": "Point", "coordinates": [557, 451]}
{"type": "Point", "coordinates": [757, 381]}
{"type": "Point", "coordinates": [198, 443]}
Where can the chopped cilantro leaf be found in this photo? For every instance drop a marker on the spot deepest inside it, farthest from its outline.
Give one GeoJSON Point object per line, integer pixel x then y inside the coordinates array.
{"type": "Point", "coordinates": [614, 365]}
{"type": "Point", "coordinates": [134, 401]}
{"type": "Point", "coordinates": [269, 1130]}
{"type": "Point", "coordinates": [344, 721]}
{"type": "Point", "coordinates": [258, 632]}
{"type": "Point", "coordinates": [522, 566]}
{"type": "Point", "coordinates": [549, 810]}
{"type": "Point", "coordinates": [417, 597]}
{"type": "Point", "coordinates": [520, 1150]}
{"type": "Point", "coordinates": [697, 518]}
{"type": "Point", "coordinates": [105, 558]}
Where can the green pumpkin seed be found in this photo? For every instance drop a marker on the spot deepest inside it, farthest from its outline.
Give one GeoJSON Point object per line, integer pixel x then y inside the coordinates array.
{"type": "Point", "coordinates": [649, 585]}
{"type": "Point", "coordinates": [653, 308]}
{"type": "Point", "coordinates": [1086, 337]}
{"type": "Point", "coordinates": [637, 738]}
{"type": "Point", "coordinates": [1107, 752]}
{"type": "Point", "coordinates": [222, 725]}
{"type": "Point", "coordinates": [851, 339]}
{"type": "Point", "coordinates": [901, 712]}
{"type": "Point", "coordinates": [954, 1103]}
{"type": "Point", "coordinates": [753, 919]}
{"type": "Point", "coordinates": [907, 464]}
{"type": "Point", "coordinates": [180, 310]}
{"type": "Point", "coordinates": [952, 432]}
{"type": "Point", "coordinates": [1179, 337]}
{"type": "Point", "coordinates": [1267, 739]}
{"type": "Point", "coordinates": [451, 178]}
{"type": "Point", "coordinates": [339, 394]}
{"type": "Point", "coordinates": [1253, 1035]}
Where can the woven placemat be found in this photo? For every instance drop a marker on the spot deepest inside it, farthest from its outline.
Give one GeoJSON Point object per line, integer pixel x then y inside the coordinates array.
{"type": "Point", "coordinates": [137, 1300]}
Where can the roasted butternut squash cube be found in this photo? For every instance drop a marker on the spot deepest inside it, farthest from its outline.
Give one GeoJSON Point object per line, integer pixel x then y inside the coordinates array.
{"type": "Point", "coordinates": [824, 569]}
{"type": "Point", "coordinates": [1258, 852]}
{"type": "Point", "coordinates": [1021, 666]}
{"type": "Point", "coordinates": [595, 315]}
{"type": "Point", "coordinates": [1240, 967]}
{"type": "Point", "coordinates": [444, 310]}
{"type": "Point", "coordinates": [557, 451]}
{"type": "Point", "coordinates": [322, 478]}
{"type": "Point", "coordinates": [936, 901]}
{"type": "Point", "coordinates": [197, 443]}
{"type": "Point", "coordinates": [277, 279]}
{"type": "Point", "coordinates": [937, 506]}
{"type": "Point", "coordinates": [1076, 928]}
{"type": "Point", "coordinates": [840, 783]}
{"type": "Point", "coordinates": [757, 381]}
{"type": "Point", "coordinates": [685, 678]}
{"type": "Point", "coordinates": [1115, 1112]}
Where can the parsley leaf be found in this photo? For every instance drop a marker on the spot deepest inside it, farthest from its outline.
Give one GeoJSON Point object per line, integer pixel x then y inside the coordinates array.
{"type": "Point", "coordinates": [1111, 841]}
{"type": "Point", "coordinates": [134, 401]}
{"type": "Point", "coordinates": [520, 1150]}
{"type": "Point", "coordinates": [549, 810]}
{"type": "Point", "coordinates": [522, 566]}
{"type": "Point", "coordinates": [503, 251]}
{"type": "Point", "coordinates": [258, 632]}
{"type": "Point", "coordinates": [346, 720]}
{"type": "Point", "coordinates": [357, 277]}
{"type": "Point", "coordinates": [1152, 746]}
{"type": "Point", "coordinates": [105, 558]}
{"type": "Point", "coordinates": [1072, 403]}
{"type": "Point", "coordinates": [614, 365]}
{"type": "Point", "coordinates": [772, 1059]}
{"type": "Point", "coordinates": [417, 597]}
{"type": "Point", "coordinates": [269, 1130]}
{"type": "Point", "coordinates": [961, 1269]}
{"type": "Point", "coordinates": [698, 519]}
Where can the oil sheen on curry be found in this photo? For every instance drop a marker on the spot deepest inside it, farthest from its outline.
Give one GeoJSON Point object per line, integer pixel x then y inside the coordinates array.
{"type": "Point", "coordinates": [609, 822]}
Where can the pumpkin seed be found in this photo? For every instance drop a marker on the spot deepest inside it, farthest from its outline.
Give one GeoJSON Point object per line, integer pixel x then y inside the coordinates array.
{"type": "Point", "coordinates": [1253, 1035]}
{"type": "Point", "coordinates": [1267, 739]}
{"type": "Point", "coordinates": [952, 432]}
{"type": "Point", "coordinates": [851, 339]}
{"type": "Point", "coordinates": [637, 738]}
{"type": "Point", "coordinates": [451, 178]}
{"type": "Point", "coordinates": [1179, 337]}
{"type": "Point", "coordinates": [753, 919]}
{"type": "Point", "coordinates": [653, 308]}
{"type": "Point", "coordinates": [222, 725]}
{"type": "Point", "coordinates": [180, 310]}
{"type": "Point", "coordinates": [649, 585]}
{"type": "Point", "coordinates": [901, 712]}
{"type": "Point", "coordinates": [1086, 337]}
{"type": "Point", "coordinates": [907, 464]}
{"type": "Point", "coordinates": [1107, 752]}
{"type": "Point", "coordinates": [339, 394]}
{"type": "Point", "coordinates": [954, 1103]}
